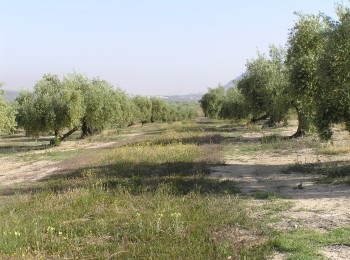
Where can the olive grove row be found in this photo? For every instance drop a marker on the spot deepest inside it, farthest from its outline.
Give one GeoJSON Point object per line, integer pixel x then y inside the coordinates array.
{"type": "Point", "coordinates": [79, 103]}
{"type": "Point", "coordinates": [311, 76]}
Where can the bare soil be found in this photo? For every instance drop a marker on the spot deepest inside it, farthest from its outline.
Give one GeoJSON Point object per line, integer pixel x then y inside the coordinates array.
{"type": "Point", "coordinates": [19, 168]}
{"type": "Point", "coordinates": [319, 206]}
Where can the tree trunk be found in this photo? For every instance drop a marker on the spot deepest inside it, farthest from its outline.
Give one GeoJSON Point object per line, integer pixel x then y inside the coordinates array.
{"type": "Point", "coordinates": [270, 123]}
{"type": "Point", "coordinates": [299, 133]}
{"type": "Point", "coordinates": [85, 130]}
{"type": "Point", "coordinates": [301, 123]}
{"type": "Point", "coordinates": [68, 133]}
{"type": "Point", "coordinates": [254, 120]}
{"type": "Point", "coordinates": [55, 141]}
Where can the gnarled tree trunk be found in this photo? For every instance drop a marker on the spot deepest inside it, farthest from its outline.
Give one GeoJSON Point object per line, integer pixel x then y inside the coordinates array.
{"type": "Point", "coordinates": [301, 124]}
{"type": "Point", "coordinates": [85, 130]}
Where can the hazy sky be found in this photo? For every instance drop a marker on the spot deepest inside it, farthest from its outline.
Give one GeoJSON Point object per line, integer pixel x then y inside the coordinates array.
{"type": "Point", "coordinates": [143, 46]}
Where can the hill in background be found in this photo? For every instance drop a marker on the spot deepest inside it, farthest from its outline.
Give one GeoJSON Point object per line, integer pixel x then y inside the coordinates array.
{"type": "Point", "coordinates": [231, 83]}
{"type": "Point", "coordinates": [183, 98]}
{"type": "Point", "coordinates": [10, 95]}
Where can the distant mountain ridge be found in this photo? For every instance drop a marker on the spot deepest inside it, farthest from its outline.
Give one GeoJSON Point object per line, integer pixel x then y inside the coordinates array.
{"type": "Point", "coordinates": [10, 95]}
{"type": "Point", "coordinates": [182, 98]}
{"type": "Point", "coordinates": [231, 83]}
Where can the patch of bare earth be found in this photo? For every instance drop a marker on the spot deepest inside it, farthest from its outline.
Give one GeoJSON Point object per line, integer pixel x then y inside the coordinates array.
{"type": "Point", "coordinates": [17, 169]}
{"type": "Point", "coordinates": [337, 252]}
{"type": "Point", "coordinates": [240, 238]}
{"type": "Point", "coordinates": [13, 171]}
{"type": "Point", "coordinates": [320, 206]}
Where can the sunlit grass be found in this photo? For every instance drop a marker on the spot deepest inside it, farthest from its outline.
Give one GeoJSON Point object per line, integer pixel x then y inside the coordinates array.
{"type": "Point", "coordinates": [303, 243]}
{"type": "Point", "coordinates": [147, 199]}
{"type": "Point", "coordinates": [334, 150]}
{"type": "Point", "coordinates": [83, 223]}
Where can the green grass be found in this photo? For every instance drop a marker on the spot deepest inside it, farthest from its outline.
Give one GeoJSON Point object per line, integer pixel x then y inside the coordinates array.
{"type": "Point", "coordinates": [148, 199]}
{"type": "Point", "coordinates": [335, 172]}
{"type": "Point", "coordinates": [274, 143]}
{"type": "Point", "coordinates": [265, 196]}
{"type": "Point", "coordinates": [331, 172]}
{"type": "Point", "coordinates": [102, 223]}
{"type": "Point", "coordinates": [299, 243]}
{"type": "Point", "coordinates": [304, 243]}
{"type": "Point", "coordinates": [277, 205]}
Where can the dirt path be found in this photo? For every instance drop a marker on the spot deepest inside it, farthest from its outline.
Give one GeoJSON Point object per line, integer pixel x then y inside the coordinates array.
{"type": "Point", "coordinates": [319, 206]}
{"type": "Point", "coordinates": [20, 168]}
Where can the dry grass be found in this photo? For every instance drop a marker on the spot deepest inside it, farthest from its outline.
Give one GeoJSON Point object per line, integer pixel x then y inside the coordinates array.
{"type": "Point", "coordinates": [334, 150]}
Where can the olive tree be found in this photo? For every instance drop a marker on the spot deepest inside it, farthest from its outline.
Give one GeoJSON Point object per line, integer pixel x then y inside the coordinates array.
{"type": "Point", "coordinates": [52, 107]}
{"type": "Point", "coordinates": [100, 105]}
{"type": "Point", "coordinates": [160, 110]}
{"type": "Point", "coordinates": [305, 44]}
{"type": "Point", "coordinates": [72, 104]}
{"type": "Point", "coordinates": [234, 105]}
{"type": "Point", "coordinates": [333, 94]}
{"type": "Point", "coordinates": [264, 85]}
{"type": "Point", "coordinates": [144, 108]}
{"type": "Point", "coordinates": [128, 113]}
{"type": "Point", "coordinates": [185, 110]}
{"type": "Point", "coordinates": [7, 114]}
{"type": "Point", "coordinates": [211, 102]}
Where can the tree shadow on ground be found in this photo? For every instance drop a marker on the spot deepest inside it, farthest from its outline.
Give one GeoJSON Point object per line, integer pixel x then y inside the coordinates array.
{"type": "Point", "coordinates": [299, 181]}
{"type": "Point", "coordinates": [209, 127]}
{"type": "Point", "coordinates": [198, 140]}
{"type": "Point", "coordinates": [181, 178]}
{"type": "Point", "coordinates": [24, 139]}
{"type": "Point", "coordinates": [216, 138]}
{"type": "Point", "coordinates": [11, 149]}
{"type": "Point", "coordinates": [319, 180]}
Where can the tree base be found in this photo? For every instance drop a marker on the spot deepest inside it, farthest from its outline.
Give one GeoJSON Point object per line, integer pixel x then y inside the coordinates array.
{"type": "Point", "coordinates": [298, 133]}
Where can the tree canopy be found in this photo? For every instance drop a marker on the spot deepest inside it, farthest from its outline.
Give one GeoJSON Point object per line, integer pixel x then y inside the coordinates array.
{"type": "Point", "coordinates": [7, 114]}
{"type": "Point", "coordinates": [91, 105]}
{"type": "Point", "coordinates": [333, 93]}
{"type": "Point", "coordinates": [305, 45]}
{"type": "Point", "coordinates": [264, 85]}
{"type": "Point", "coordinates": [212, 101]}
{"type": "Point", "coordinates": [311, 76]}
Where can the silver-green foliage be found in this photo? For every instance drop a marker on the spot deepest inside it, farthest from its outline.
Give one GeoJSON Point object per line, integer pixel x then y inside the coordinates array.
{"type": "Point", "coordinates": [7, 115]}
{"type": "Point", "coordinates": [160, 110]}
{"type": "Point", "coordinates": [234, 105]}
{"type": "Point", "coordinates": [333, 95]}
{"type": "Point", "coordinates": [100, 104]}
{"type": "Point", "coordinates": [128, 112]}
{"type": "Point", "coordinates": [53, 106]}
{"type": "Point", "coordinates": [264, 85]}
{"type": "Point", "coordinates": [144, 108]}
{"type": "Point", "coordinates": [91, 105]}
{"type": "Point", "coordinates": [212, 101]}
{"type": "Point", "coordinates": [305, 44]}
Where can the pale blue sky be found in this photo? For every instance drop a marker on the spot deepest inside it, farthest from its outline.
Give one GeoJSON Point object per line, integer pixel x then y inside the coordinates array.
{"type": "Point", "coordinates": [145, 47]}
